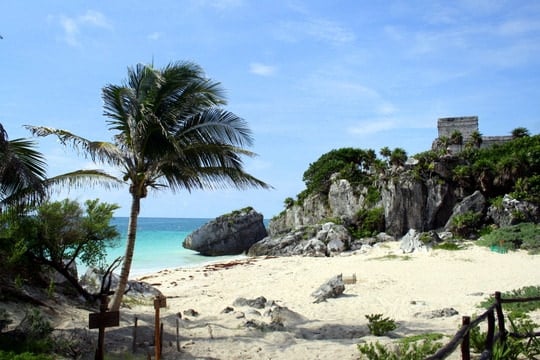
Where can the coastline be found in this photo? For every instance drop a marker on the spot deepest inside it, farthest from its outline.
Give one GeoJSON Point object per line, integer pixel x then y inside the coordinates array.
{"type": "Point", "coordinates": [404, 287]}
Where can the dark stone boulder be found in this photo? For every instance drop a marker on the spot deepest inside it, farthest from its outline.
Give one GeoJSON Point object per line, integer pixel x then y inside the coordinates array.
{"type": "Point", "coordinates": [229, 234]}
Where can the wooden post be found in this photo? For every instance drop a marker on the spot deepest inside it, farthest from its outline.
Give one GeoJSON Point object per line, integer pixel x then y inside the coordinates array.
{"type": "Point", "coordinates": [102, 320]}
{"type": "Point", "coordinates": [161, 338]}
{"type": "Point", "coordinates": [103, 307]}
{"type": "Point", "coordinates": [465, 344]}
{"type": "Point", "coordinates": [159, 302]}
{"type": "Point", "coordinates": [134, 344]}
{"type": "Point", "coordinates": [177, 335]}
{"type": "Point", "coordinates": [500, 317]}
{"type": "Point", "coordinates": [490, 332]}
{"type": "Point", "coordinates": [156, 329]}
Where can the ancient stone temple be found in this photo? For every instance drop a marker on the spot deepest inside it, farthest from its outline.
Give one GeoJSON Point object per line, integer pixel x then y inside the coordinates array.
{"type": "Point", "coordinates": [466, 125]}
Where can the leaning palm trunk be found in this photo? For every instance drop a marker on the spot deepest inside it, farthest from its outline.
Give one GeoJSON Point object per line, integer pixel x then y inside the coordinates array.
{"type": "Point", "coordinates": [128, 257]}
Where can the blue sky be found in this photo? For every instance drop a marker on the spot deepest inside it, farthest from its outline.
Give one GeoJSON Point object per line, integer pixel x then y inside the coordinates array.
{"type": "Point", "coordinates": [309, 76]}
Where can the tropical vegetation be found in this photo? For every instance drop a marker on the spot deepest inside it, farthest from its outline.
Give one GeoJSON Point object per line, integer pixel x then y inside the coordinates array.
{"type": "Point", "coordinates": [170, 131]}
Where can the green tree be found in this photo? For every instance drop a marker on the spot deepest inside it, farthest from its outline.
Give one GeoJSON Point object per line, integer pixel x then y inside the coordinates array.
{"type": "Point", "coordinates": [23, 180]}
{"type": "Point", "coordinates": [475, 140]}
{"type": "Point", "coordinates": [385, 151]}
{"type": "Point", "coordinates": [57, 233]}
{"type": "Point", "coordinates": [398, 157]}
{"type": "Point", "coordinates": [350, 163]}
{"type": "Point", "coordinates": [171, 132]}
{"type": "Point", "coordinates": [22, 172]}
{"type": "Point", "coordinates": [520, 132]}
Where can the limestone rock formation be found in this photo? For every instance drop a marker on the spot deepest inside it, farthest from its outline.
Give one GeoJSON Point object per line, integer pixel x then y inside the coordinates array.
{"type": "Point", "coordinates": [316, 240]}
{"type": "Point", "coordinates": [512, 211]}
{"type": "Point", "coordinates": [229, 234]}
{"type": "Point", "coordinates": [476, 202]}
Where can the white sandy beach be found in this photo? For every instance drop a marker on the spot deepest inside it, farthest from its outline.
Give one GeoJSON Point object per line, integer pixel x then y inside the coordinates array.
{"type": "Point", "coordinates": [402, 287]}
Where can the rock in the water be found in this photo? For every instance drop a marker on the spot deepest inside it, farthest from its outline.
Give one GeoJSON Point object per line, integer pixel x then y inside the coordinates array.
{"type": "Point", "coordinates": [330, 289]}
{"type": "Point", "coordinates": [229, 234]}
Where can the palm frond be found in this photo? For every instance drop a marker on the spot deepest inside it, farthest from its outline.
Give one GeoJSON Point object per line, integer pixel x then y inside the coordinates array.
{"type": "Point", "coordinates": [101, 151]}
{"type": "Point", "coordinates": [84, 178]}
{"type": "Point", "coordinates": [22, 171]}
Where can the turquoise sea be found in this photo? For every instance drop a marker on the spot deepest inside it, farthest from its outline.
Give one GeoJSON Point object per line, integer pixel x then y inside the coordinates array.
{"type": "Point", "coordinates": [159, 245]}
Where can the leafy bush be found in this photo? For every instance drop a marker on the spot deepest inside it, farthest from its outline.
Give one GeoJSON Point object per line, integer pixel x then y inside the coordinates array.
{"type": "Point", "coordinates": [450, 246]}
{"type": "Point", "coordinates": [36, 330]}
{"type": "Point", "coordinates": [410, 348]}
{"type": "Point", "coordinates": [352, 164]}
{"type": "Point", "coordinates": [466, 224]}
{"type": "Point", "coordinates": [525, 236]}
{"type": "Point", "coordinates": [24, 356]}
{"type": "Point", "coordinates": [368, 222]}
{"type": "Point", "coordinates": [378, 325]}
{"type": "Point", "coordinates": [512, 348]}
{"type": "Point", "coordinates": [524, 292]}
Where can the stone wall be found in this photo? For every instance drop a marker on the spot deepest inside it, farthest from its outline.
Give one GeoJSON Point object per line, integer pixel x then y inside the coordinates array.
{"type": "Point", "coordinates": [488, 141]}
{"type": "Point", "coordinates": [466, 125]}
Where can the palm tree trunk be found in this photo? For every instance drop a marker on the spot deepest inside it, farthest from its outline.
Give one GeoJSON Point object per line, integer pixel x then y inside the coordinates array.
{"type": "Point", "coordinates": [128, 257]}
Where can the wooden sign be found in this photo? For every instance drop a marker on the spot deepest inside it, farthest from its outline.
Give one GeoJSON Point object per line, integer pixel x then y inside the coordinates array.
{"type": "Point", "coordinates": [160, 302]}
{"type": "Point", "coordinates": [103, 319]}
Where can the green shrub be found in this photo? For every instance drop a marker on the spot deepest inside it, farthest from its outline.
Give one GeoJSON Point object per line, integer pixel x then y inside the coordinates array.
{"type": "Point", "coordinates": [523, 307]}
{"type": "Point", "coordinates": [450, 246]}
{"type": "Point", "coordinates": [411, 348]}
{"type": "Point", "coordinates": [466, 224]}
{"type": "Point", "coordinates": [23, 356]}
{"type": "Point", "coordinates": [525, 236]}
{"type": "Point", "coordinates": [378, 325]}
{"type": "Point", "coordinates": [512, 348]}
{"type": "Point", "coordinates": [368, 222]}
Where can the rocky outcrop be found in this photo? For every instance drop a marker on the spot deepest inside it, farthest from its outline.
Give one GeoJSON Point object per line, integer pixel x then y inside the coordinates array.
{"type": "Point", "coordinates": [410, 203]}
{"type": "Point", "coordinates": [229, 234]}
{"type": "Point", "coordinates": [476, 203]}
{"type": "Point", "coordinates": [512, 211]}
{"type": "Point", "coordinates": [316, 240]}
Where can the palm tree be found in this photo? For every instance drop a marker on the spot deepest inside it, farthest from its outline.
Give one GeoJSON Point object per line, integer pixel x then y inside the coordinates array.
{"type": "Point", "coordinates": [22, 172]}
{"type": "Point", "coordinates": [171, 132]}
{"type": "Point", "coordinates": [520, 132]}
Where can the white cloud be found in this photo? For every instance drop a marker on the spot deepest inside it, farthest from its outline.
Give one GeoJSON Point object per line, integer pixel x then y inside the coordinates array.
{"type": "Point", "coordinates": [261, 69]}
{"type": "Point", "coordinates": [72, 25]}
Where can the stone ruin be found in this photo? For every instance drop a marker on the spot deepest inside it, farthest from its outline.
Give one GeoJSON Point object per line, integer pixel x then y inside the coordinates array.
{"type": "Point", "coordinates": [466, 125]}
